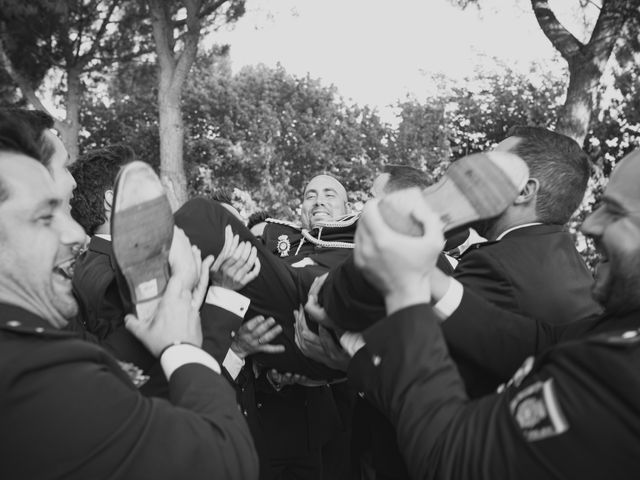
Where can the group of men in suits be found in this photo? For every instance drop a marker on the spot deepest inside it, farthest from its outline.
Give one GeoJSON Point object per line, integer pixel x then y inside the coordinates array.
{"type": "Point", "coordinates": [433, 347]}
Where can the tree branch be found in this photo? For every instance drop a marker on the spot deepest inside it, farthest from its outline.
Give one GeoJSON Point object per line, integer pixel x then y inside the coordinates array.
{"type": "Point", "coordinates": [205, 11]}
{"type": "Point", "coordinates": [607, 29]}
{"type": "Point", "coordinates": [162, 34]}
{"type": "Point", "coordinates": [86, 58]}
{"type": "Point", "coordinates": [22, 83]}
{"type": "Point", "coordinates": [190, 46]}
{"type": "Point", "coordinates": [562, 40]}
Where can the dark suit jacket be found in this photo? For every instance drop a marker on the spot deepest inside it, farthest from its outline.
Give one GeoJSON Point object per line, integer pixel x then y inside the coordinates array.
{"type": "Point", "coordinates": [69, 411]}
{"type": "Point", "coordinates": [551, 422]}
{"type": "Point", "coordinates": [535, 271]}
{"type": "Point", "coordinates": [102, 313]}
{"type": "Point", "coordinates": [95, 288]}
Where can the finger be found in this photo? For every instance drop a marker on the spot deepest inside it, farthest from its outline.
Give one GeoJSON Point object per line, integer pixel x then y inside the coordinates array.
{"type": "Point", "coordinates": [270, 334]}
{"type": "Point", "coordinates": [327, 341]}
{"type": "Point", "coordinates": [263, 327]}
{"type": "Point", "coordinates": [224, 252]}
{"type": "Point", "coordinates": [132, 324]}
{"type": "Point", "coordinates": [251, 324]}
{"type": "Point", "coordinates": [253, 274]}
{"type": "Point", "coordinates": [297, 329]}
{"type": "Point", "coordinates": [317, 285]}
{"type": "Point", "coordinates": [199, 293]}
{"type": "Point", "coordinates": [272, 348]}
{"type": "Point", "coordinates": [247, 262]}
{"type": "Point", "coordinates": [316, 312]}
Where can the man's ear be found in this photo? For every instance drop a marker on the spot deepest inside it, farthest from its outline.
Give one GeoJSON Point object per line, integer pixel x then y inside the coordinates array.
{"type": "Point", "coordinates": [529, 192]}
{"type": "Point", "coordinates": [108, 200]}
{"type": "Point", "coordinates": [347, 207]}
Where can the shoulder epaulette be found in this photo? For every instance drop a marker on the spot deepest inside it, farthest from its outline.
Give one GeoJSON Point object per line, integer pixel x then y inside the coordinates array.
{"type": "Point", "coordinates": [283, 222]}
{"type": "Point", "coordinates": [344, 221]}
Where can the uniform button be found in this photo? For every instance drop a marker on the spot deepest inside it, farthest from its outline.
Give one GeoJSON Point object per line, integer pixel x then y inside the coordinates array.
{"type": "Point", "coordinates": [376, 360]}
{"type": "Point", "coordinates": [233, 334]}
{"type": "Point", "coordinates": [39, 330]}
{"type": "Point", "coordinates": [259, 405]}
{"type": "Point", "coordinates": [244, 413]}
{"type": "Point", "coordinates": [13, 323]}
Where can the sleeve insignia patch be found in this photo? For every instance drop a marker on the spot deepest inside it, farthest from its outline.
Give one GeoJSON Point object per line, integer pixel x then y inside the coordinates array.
{"type": "Point", "coordinates": [284, 245]}
{"type": "Point", "coordinates": [135, 374]}
{"type": "Point", "coordinates": [537, 412]}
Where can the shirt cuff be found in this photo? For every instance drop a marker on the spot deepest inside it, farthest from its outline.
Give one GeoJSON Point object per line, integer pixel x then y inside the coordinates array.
{"type": "Point", "coordinates": [228, 299]}
{"type": "Point", "coordinates": [450, 301]}
{"type": "Point", "coordinates": [180, 354]}
{"type": "Point", "coordinates": [233, 363]}
{"type": "Point", "coordinates": [352, 342]}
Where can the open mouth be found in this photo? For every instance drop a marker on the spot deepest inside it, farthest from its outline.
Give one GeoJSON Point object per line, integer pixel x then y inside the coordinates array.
{"type": "Point", "coordinates": [65, 269]}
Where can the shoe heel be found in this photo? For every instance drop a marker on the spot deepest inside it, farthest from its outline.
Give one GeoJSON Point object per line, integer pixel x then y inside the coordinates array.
{"type": "Point", "coordinates": [475, 187]}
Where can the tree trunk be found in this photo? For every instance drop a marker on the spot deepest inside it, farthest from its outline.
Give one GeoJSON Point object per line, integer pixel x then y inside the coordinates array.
{"type": "Point", "coordinates": [70, 133]}
{"type": "Point", "coordinates": [172, 73]}
{"type": "Point", "coordinates": [171, 131]}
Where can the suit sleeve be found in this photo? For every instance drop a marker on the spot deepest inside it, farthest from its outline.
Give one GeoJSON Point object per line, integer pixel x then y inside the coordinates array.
{"type": "Point", "coordinates": [497, 339]}
{"type": "Point", "coordinates": [111, 431]}
{"type": "Point", "coordinates": [218, 327]}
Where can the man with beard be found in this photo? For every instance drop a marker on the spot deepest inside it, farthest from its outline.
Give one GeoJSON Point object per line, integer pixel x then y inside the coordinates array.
{"type": "Point", "coordinates": [68, 403]}
{"type": "Point", "coordinates": [571, 413]}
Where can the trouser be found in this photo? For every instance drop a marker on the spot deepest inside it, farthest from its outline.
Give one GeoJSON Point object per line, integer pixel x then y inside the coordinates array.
{"type": "Point", "coordinates": [278, 290]}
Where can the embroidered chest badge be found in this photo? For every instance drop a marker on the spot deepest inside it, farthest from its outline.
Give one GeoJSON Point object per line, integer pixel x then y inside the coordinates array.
{"type": "Point", "coordinates": [284, 245]}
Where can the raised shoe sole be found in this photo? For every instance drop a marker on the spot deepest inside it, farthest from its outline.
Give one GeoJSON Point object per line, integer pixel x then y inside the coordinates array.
{"type": "Point", "coordinates": [142, 230]}
{"type": "Point", "coordinates": [475, 187]}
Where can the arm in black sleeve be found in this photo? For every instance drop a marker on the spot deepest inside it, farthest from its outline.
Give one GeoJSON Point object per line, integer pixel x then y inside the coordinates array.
{"type": "Point", "coordinates": [549, 423]}
{"type": "Point", "coordinates": [73, 405]}
{"type": "Point", "coordinates": [499, 340]}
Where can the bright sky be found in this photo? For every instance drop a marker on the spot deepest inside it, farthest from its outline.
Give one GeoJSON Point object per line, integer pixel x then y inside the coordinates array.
{"type": "Point", "coordinates": [376, 52]}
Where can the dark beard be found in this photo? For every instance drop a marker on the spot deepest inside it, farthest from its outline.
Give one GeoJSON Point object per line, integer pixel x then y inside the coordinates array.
{"type": "Point", "coordinates": [623, 290]}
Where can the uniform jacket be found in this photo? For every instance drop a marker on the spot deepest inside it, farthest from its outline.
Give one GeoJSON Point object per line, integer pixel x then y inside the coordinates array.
{"type": "Point", "coordinates": [572, 413]}
{"type": "Point", "coordinates": [68, 410]}
{"type": "Point", "coordinates": [327, 244]}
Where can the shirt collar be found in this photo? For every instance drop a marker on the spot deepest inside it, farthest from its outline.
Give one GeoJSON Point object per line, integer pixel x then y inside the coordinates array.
{"type": "Point", "coordinates": [17, 319]}
{"type": "Point", "coordinates": [517, 227]}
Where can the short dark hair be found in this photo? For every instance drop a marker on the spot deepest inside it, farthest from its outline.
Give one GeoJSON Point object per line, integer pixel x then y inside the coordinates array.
{"type": "Point", "coordinates": [37, 122]}
{"type": "Point", "coordinates": [405, 176]}
{"type": "Point", "coordinates": [95, 173]}
{"type": "Point", "coordinates": [223, 195]}
{"type": "Point", "coordinates": [561, 167]}
{"type": "Point", "coordinates": [16, 137]}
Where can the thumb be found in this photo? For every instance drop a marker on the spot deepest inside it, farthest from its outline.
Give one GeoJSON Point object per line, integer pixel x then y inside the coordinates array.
{"type": "Point", "coordinates": [133, 324]}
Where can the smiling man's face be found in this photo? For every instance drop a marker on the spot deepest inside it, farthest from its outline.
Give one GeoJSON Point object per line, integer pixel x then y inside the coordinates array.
{"type": "Point", "coordinates": [39, 241]}
{"type": "Point", "coordinates": [325, 200]}
{"type": "Point", "coordinates": [615, 228]}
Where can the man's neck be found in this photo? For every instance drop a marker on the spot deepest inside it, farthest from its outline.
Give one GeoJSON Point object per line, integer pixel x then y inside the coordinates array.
{"type": "Point", "coordinates": [104, 229]}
